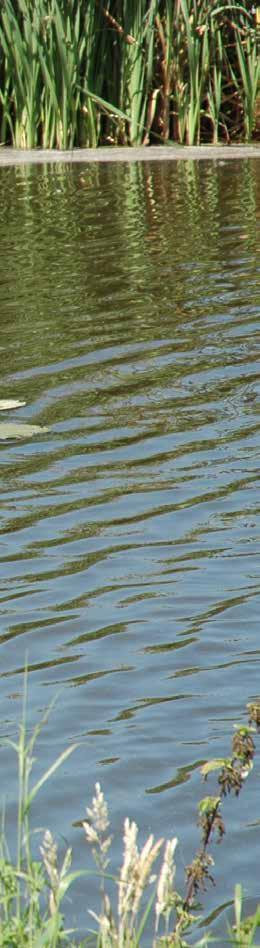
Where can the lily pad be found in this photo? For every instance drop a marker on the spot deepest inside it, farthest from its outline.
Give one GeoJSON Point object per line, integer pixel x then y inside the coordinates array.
{"type": "Point", "coordinates": [7, 403]}
{"type": "Point", "coordinates": [12, 430]}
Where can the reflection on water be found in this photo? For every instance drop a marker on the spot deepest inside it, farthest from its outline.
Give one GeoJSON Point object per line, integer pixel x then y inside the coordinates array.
{"type": "Point", "coordinates": [129, 533]}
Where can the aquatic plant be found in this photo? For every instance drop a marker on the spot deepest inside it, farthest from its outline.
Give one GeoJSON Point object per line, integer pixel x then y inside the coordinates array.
{"type": "Point", "coordinates": [92, 72]}
{"type": "Point", "coordinates": [249, 67]}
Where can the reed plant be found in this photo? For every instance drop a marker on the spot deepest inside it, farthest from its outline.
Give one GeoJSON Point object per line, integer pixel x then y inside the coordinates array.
{"type": "Point", "coordinates": [133, 104]}
{"type": "Point", "coordinates": [215, 84]}
{"type": "Point", "coordinates": [147, 904]}
{"type": "Point", "coordinates": [87, 72]}
{"type": "Point", "coordinates": [137, 64]}
{"type": "Point", "coordinates": [61, 53]}
{"type": "Point", "coordinates": [249, 67]}
{"type": "Point", "coordinates": [20, 89]}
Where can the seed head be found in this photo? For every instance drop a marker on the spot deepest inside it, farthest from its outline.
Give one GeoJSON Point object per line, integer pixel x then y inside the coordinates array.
{"type": "Point", "coordinates": [165, 881]}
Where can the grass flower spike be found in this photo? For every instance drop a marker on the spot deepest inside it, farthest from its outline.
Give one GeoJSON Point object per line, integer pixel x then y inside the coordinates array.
{"type": "Point", "coordinates": [134, 877]}
{"type": "Point", "coordinates": [165, 883]}
{"type": "Point", "coordinates": [95, 829]}
{"type": "Point", "coordinates": [57, 877]}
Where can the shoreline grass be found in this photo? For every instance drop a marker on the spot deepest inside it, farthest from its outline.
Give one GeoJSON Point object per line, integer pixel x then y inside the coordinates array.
{"type": "Point", "coordinates": [83, 73]}
{"type": "Point", "coordinates": [146, 903]}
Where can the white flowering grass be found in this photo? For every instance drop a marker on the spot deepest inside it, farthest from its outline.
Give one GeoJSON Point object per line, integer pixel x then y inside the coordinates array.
{"type": "Point", "coordinates": [145, 908]}
{"type": "Point", "coordinates": [96, 827]}
{"type": "Point", "coordinates": [135, 876]}
{"type": "Point", "coordinates": [137, 912]}
{"type": "Point", "coordinates": [164, 901]}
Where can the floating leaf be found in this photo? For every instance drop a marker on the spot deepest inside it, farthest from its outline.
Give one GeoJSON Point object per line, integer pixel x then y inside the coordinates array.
{"type": "Point", "coordinates": [7, 403]}
{"type": "Point", "coordinates": [12, 430]}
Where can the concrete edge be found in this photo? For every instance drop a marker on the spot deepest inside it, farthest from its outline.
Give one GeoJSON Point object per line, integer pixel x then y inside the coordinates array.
{"type": "Point", "coordinates": [12, 156]}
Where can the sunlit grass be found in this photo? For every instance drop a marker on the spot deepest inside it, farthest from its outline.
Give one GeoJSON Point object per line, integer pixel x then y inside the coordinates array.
{"type": "Point", "coordinates": [145, 905]}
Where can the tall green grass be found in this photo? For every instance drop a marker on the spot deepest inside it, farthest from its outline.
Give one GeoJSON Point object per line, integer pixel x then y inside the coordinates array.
{"type": "Point", "coordinates": [90, 72]}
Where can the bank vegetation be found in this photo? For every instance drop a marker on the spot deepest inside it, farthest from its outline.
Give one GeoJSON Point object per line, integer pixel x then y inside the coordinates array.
{"type": "Point", "coordinates": [140, 904]}
{"type": "Point", "coordinates": [91, 72]}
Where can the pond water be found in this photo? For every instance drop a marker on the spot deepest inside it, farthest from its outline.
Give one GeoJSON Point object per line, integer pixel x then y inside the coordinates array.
{"type": "Point", "coordinates": [129, 532]}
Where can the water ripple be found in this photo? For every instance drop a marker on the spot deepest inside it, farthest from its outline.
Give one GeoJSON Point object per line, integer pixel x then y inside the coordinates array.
{"type": "Point", "coordinates": [129, 533]}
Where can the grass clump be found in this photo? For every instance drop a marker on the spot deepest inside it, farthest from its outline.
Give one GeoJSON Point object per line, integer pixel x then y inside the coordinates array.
{"type": "Point", "coordinates": [147, 904]}
{"type": "Point", "coordinates": [30, 915]}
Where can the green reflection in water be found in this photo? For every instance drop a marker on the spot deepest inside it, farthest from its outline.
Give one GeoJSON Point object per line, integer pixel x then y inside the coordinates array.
{"type": "Point", "coordinates": [129, 325]}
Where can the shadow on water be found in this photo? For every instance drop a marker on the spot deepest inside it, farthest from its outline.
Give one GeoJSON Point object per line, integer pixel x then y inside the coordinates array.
{"type": "Point", "coordinates": [129, 532]}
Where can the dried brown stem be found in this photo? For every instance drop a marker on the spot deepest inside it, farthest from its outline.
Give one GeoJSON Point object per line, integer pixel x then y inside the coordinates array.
{"type": "Point", "coordinates": [117, 26]}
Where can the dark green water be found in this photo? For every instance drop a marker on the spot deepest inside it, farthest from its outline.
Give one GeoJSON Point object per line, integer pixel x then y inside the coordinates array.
{"type": "Point", "coordinates": [129, 533]}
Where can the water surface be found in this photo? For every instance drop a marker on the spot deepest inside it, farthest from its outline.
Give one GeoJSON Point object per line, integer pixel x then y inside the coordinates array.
{"type": "Point", "coordinates": [129, 533]}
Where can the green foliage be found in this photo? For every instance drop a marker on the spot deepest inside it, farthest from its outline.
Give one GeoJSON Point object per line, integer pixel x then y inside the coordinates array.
{"type": "Point", "coordinates": [30, 914]}
{"type": "Point", "coordinates": [87, 72]}
{"type": "Point", "coordinates": [32, 891]}
{"type": "Point", "coordinates": [243, 932]}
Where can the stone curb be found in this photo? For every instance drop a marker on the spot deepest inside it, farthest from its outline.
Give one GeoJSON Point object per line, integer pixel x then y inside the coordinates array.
{"type": "Point", "coordinates": [12, 156]}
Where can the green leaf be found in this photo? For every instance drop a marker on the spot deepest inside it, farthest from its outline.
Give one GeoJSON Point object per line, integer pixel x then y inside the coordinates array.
{"type": "Point", "coordinates": [48, 773]}
{"type": "Point", "coordinates": [107, 106]}
{"type": "Point", "coordinates": [212, 765]}
{"type": "Point", "coordinates": [70, 878]}
{"type": "Point", "coordinates": [144, 920]}
{"type": "Point", "coordinates": [49, 936]}
{"type": "Point", "coordinates": [208, 804]}
{"type": "Point", "coordinates": [238, 900]}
